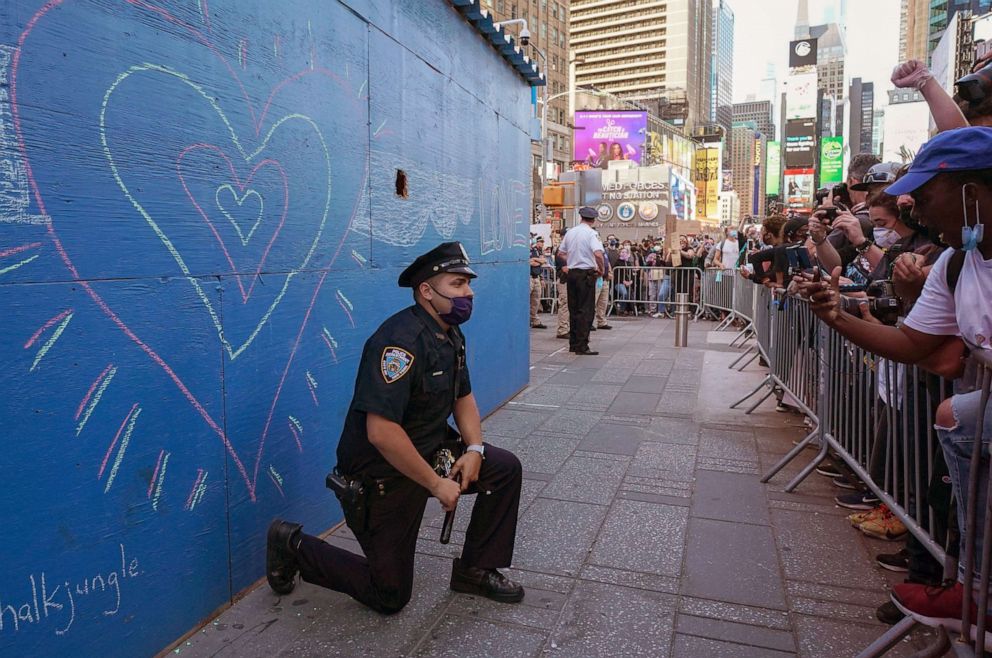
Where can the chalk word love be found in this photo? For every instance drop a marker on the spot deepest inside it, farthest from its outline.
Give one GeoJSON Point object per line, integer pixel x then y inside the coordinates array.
{"type": "Point", "coordinates": [57, 605]}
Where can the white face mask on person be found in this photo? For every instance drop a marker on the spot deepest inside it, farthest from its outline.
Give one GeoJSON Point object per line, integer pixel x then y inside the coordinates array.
{"type": "Point", "coordinates": [885, 237]}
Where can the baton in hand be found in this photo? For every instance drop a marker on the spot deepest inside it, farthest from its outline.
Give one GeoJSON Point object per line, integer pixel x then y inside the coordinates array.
{"type": "Point", "coordinates": [449, 518]}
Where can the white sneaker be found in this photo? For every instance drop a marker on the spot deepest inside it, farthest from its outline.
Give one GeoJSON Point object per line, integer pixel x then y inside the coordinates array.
{"type": "Point", "coordinates": [656, 315]}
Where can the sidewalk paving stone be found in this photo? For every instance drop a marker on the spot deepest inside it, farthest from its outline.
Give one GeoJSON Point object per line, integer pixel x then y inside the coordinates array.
{"type": "Point", "coordinates": [644, 529]}
{"type": "Point", "coordinates": [733, 562]}
{"type": "Point", "coordinates": [642, 537]}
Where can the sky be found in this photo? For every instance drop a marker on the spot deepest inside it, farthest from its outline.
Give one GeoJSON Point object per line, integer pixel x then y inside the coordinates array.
{"type": "Point", "coordinates": [763, 29]}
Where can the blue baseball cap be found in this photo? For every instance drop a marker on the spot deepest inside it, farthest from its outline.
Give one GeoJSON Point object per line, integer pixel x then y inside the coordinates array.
{"type": "Point", "coordinates": [961, 149]}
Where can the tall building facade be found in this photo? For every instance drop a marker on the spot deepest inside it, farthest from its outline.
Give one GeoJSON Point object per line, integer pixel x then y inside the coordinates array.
{"type": "Point", "coordinates": [547, 21]}
{"type": "Point", "coordinates": [722, 66]}
{"type": "Point", "coordinates": [914, 28]}
{"type": "Point", "coordinates": [862, 116]}
{"type": "Point", "coordinates": [942, 11]}
{"type": "Point", "coordinates": [655, 52]}
{"type": "Point", "coordinates": [831, 53]}
{"type": "Point", "coordinates": [759, 114]}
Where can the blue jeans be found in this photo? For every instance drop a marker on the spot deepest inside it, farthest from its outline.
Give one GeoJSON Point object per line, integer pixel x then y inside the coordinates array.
{"type": "Point", "coordinates": [956, 443]}
{"type": "Point", "coordinates": [663, 293]}
{"type": "Point", "coordinates": [622, 295]}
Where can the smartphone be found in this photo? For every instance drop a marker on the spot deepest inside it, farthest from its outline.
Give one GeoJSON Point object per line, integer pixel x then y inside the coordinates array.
{"type": "Point", "coordinates": [817, 269]}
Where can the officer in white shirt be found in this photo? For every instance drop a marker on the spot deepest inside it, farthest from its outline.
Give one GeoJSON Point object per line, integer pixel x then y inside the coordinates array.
{"type": "Point", "coordinates": [951, 183]}
{"type": "Point", "coordinates": [583, 253]}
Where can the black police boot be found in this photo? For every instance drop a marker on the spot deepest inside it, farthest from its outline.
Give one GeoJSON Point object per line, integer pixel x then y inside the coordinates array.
{"type": "Point", "coordinates": [489, 583]}
{"type": "Point", "coordinates": [280, 555]}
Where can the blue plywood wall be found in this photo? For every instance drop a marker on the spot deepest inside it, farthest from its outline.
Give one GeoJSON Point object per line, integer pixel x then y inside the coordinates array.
{"type": "Point", "coordinates": [198, 230]}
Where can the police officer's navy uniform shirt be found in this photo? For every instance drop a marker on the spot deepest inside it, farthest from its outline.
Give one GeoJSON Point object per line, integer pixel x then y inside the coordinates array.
{"type": "Point", "coordinates": [406, 375]}
{"type": "Point", "coordinates": [580, 243]}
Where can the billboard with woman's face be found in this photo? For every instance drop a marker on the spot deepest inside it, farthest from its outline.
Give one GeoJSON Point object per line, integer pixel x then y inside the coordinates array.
{"type": "Point", "coordinates": [609, 135]}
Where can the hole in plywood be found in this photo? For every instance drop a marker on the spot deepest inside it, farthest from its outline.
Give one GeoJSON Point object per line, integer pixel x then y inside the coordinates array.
{"type": "Point", "coordinates": [401, 184]}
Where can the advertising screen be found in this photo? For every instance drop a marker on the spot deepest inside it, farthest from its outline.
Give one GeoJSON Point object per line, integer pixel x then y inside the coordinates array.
{"type": "Point", "coordinates": [831, 160]}
{"type": "Point", "coordinates": [799, 186]}
{"type": "Point", "coordinates": [706, 176]}
{"type": "Point", "coordinates": [683, 197]}
{"type": "Point", "coordinates": [802, 53]}
{"type": "Point", "coordinates": [800, 143]}
{"type": "Point", "coordinates": [773, 168]}
{"type": "Point", "coordinates": [800, 96]}
{"type": "Point", "coordinates": [613, 135]}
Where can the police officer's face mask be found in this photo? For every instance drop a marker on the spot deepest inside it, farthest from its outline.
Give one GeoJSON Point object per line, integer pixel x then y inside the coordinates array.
{"type": "Point", "coordinates": [461, 308]}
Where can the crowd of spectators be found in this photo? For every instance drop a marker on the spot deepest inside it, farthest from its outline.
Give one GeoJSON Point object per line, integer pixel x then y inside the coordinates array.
{"type": "Point", "coordinates": [896, 260]}
{"type": "Point", "coordinates": [643, 275]}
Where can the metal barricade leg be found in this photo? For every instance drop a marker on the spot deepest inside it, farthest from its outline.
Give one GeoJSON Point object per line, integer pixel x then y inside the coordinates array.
{"type": "Point", "coordinates": [808, 440]}
{"type": "Point", "coordinates": [891, 638]}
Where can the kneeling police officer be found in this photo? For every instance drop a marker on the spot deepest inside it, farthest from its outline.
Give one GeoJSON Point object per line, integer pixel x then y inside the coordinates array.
{"type": "Point", "coordinates": [412, 376]}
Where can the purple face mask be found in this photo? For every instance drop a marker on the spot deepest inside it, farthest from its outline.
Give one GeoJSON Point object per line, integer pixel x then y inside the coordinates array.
{"type": "Point", "coordinates": [461, 309]}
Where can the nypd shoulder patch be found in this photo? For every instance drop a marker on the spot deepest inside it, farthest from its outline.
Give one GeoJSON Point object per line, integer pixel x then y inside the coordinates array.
{"type": "Point", "coordinates": [395, 363]}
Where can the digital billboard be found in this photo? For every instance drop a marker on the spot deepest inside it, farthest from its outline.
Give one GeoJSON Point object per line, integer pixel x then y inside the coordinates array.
{"type": "Point", "coordinates": [800, 96]}
{"type": "Point", "coordinates": [773, 168]}
{"type": "Point", "coordinates": [831, 160]}
{"type": "Point", "coordinates": [799, 188]}
{"type": "Point", "coordinates": [800, 143]}
{"type": "Point", "coordinates": [609, 135]}
{"type": "Point", "coordinates": [802, 53]}
{"type": "Point", "coordinates": [706, 177]}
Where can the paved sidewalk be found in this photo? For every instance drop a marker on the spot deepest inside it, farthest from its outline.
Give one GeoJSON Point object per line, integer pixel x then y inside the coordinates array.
{"type": "Point", "coordinates": [644, 530]}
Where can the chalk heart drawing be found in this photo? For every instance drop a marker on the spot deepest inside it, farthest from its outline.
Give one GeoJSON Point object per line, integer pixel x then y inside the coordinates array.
{"type": "Point", "coordinates": [227, 190]}
{"type": "Point", "coordinates": [222, 200]}
{"type": "Point", "coordinates": [263, 129]}
{"type": "Point", "coordinates": [254, 158]}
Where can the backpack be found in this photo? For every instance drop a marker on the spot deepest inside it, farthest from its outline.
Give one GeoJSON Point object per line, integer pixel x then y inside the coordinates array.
{"type": "Point", "coordinates": [711, 257]}
{"type": "Point", "coordinates": [954, 268]}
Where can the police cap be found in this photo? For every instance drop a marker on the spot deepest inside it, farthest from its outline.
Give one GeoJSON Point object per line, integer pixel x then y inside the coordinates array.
{"type": "Point", "coordinates": [446, 257]}
{"type": "Point", "coordinates": [587, 213]}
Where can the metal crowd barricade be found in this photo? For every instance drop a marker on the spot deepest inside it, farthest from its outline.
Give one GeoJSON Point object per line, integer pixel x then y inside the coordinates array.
{"type": "Point", "coordinates": [549, 289]}
{"type": "Point", "coordinates": [718, 295]}
{"type": "Point", "coordinates": [638, 298]}
{"type": "Point", "coordinates": [878, 418]}
{"type": "Point", "coordinates": [970, 532]}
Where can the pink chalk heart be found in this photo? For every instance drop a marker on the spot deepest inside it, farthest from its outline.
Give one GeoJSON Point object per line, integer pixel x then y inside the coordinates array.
{"type": "Point", "coordinates": [229, 201]}
{"type": "Point", "coordinates": [230, 197]}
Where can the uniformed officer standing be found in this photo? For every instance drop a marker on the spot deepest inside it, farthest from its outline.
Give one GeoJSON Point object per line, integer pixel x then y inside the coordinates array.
{"type": "Point", "coordinates": [412, 376]}
{"type": "Point", "coordinates": [583, 253]}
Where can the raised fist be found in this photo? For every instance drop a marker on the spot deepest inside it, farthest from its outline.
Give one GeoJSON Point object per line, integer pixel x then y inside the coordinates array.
{"type": "Point", "coordinates": [912, 73]}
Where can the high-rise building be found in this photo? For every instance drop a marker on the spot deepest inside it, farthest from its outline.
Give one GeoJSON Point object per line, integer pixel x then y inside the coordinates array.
{"type": "Point", "coordinates": [758, 114]}
{"type": "Point", "coordinates": [722, 66]}
{"type": "Point", "coordinates": [831, 51]}
{"type": "Point", "coordinates": [861, 117]}
{"type": "Point", "coordinates": [747, 149]}
{"type": "Point", "coordinates": [878, 130]}
{"type": "Point", "coordinates": [768, 88]}
{"type": "Point", "coordinates": [730, 208]}
{"type": "Point", "coordinates": [914, 22]}
{"type": "Point", "coordinates": [954, 53]}
{"type": "Point", "coordinates": [942, 11]}
{"type": "Point", "coordinates": [654, 52]}
{"type": "Point", "coordinates": [547, 21]}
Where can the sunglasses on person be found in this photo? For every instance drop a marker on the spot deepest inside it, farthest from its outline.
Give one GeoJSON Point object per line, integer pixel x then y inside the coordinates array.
{"type": "Point", "coordinates": [875, 177]}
